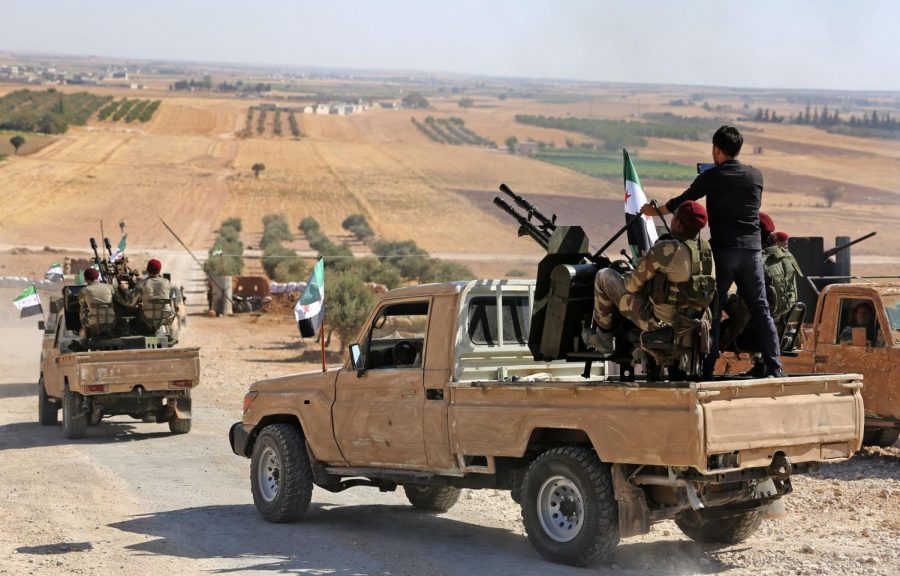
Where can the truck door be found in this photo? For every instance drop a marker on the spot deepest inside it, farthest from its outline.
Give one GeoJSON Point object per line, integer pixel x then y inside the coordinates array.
{"type": "Point", "coordinates": [856, 340]}
{"type": "Point", "coordinates": [378, 416]}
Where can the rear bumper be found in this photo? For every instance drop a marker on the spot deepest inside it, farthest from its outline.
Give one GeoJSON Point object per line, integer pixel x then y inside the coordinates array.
{"type": "Point", "coordinates": [238, 437]}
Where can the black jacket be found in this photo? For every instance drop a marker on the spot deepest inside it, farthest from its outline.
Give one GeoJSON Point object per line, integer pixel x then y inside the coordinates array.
{"type": "Point", "coordinates": [733, 195]}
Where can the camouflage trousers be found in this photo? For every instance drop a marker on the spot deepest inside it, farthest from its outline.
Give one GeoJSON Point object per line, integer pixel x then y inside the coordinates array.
{"type": "Point", "coordinates": [610, 295]}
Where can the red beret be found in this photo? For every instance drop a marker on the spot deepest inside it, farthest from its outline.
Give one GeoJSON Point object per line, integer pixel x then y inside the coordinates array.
{"type": "Point", "coordinates": [781, 236]}
{"type": "Point", "coordinates": [154, 266]}
{"type": "Point", "coordinates": [766, 224]}
{"type": "Point", "coordinates": [91, 274]}
{"type": "Point", "coordinates": [692, 215]}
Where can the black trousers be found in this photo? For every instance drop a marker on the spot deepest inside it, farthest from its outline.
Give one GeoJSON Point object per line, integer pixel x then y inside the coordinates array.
{"type": "Point", "coordinates": [745, 268]}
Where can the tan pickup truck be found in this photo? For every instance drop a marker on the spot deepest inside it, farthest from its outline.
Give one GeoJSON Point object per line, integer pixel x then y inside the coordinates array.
{"type": "Point", "coordinates": [134, 377]}
{"type": "Point", "coordinates": [441, 393]}
{"type": "Point", "coordinates": [835, 342]}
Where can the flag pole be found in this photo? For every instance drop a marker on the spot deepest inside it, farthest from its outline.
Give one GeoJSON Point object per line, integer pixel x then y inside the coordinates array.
{"type": "Point", "coordinates": [322, 338]}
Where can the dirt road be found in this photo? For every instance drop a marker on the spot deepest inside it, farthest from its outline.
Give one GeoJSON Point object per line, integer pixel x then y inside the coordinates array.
{"type": "Point", "coordinates": [132, 499]}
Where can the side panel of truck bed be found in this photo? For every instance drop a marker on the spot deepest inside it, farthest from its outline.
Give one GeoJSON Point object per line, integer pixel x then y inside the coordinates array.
{"type": "Point", "coordinates": [625, 424]}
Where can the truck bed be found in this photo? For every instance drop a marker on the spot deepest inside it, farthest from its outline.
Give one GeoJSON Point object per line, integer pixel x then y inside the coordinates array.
{"type": "Point", "coordinates": [122, 370]}
{"type": "Point", "coordinates": [806, 418]}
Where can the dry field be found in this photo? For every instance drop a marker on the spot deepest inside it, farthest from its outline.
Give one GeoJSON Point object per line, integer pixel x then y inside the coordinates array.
{"type": "Point", "coordinates": [188, 167]}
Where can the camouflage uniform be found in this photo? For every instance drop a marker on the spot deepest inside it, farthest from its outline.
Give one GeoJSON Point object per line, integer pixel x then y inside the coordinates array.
{"type": "Point", "coordinates": [94, 299]}
{"type": "Point", "coordinates": [631, 294]}
{"type": "Point", "coordinates": [148, 293]}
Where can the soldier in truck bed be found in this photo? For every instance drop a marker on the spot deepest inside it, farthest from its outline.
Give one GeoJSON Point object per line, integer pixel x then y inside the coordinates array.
{"type": "Point", "coordinates": [153, 294]}
{"type": "Point", "coordinates": [659, 289]}
{"type": "Point", "coordinates": [96, 304]}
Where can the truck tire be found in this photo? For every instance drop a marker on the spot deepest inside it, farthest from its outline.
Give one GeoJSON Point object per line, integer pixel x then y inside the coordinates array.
{"type": "Point", "coordinates": [179, 425]}
{"type": "Point", "coordinates": [280, 473]}
{"type": "Point", "coordinates": [74, 417]}
{"type": "Point", "coordinates": [48, 412]}
{"type": "Point", "coordinates": [432, 498]}
{"type": "Point", "coordinates": [882, 437]}
{"type": "Point", "coordinates": [718, 526]}
{"type": "Point", "coordinates": [569, 507]}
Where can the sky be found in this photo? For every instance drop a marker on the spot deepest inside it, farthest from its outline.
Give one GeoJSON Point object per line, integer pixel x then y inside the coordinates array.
{"type": "Point", "coordinates": [801, 44]}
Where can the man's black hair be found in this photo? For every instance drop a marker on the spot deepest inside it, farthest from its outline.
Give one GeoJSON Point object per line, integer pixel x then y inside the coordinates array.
{"type": "Point", "coordinates": [729, 140]}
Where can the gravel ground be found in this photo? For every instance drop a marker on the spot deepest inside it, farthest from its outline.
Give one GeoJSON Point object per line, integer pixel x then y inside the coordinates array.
{"type": "Point", "coordinates": [131, 499]}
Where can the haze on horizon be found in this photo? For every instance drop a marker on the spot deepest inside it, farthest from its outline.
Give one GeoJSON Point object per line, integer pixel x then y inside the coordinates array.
{"type": "Point", "coordinates": [802, 44]}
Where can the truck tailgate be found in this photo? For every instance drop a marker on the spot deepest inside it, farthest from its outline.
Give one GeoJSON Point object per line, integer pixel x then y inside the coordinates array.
{"type": "Point", "coordinates": [807, 418]}
{"type": "Point", "coordinates": [121, 370]}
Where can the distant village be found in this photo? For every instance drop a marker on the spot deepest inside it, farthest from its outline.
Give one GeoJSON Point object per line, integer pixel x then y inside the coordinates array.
{"type": "Point", "coordinates": [54, 76]}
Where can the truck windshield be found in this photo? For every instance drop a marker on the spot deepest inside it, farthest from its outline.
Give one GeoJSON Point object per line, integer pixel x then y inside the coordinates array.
{"type": "Point", "coordinates": [482, 325]}
{"type": "Point", "coordinates": [892, 307]}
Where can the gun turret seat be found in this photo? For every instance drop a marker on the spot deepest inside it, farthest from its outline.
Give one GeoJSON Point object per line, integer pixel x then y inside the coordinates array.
{"type": "Point", "coordinates": [100, 321]}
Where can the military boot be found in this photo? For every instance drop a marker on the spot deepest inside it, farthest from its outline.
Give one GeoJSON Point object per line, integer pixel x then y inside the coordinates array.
{"type": "Point", "coordinates": [599, 340]}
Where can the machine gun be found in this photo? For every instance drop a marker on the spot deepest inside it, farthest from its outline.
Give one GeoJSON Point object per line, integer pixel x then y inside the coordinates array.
{"type": "Point", "coordinates": [837, 249]}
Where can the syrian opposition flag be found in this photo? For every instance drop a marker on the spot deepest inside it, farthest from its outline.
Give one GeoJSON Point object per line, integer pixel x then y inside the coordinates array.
{"type": "Point", "coordinates": [54, 273]}
{"type": "Point", "coordinates": [642, 235]}
{"type": "Point", "coordinates": [310, 309]}
{"type": "Point", "coordinates": [28, 303]}
{"type": "Point", "coordinates": [120, 249]}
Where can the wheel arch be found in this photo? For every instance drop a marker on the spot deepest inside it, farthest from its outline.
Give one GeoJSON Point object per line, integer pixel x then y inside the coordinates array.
{"type": "Point", "coordinates": [291, 419]}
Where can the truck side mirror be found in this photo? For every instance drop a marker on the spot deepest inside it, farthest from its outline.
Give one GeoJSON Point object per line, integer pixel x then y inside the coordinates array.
{"type": "Point", "coordinates": [355, 359]}
{"type": "Point", "coordinates": [42, 326]}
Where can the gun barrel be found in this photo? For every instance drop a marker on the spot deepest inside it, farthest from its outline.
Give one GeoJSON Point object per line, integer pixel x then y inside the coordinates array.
{"type": "Point", "coordinates": [832, 251]}
{"type": "Point", "coordinates": [531, 209]}
{"type": "Point", "coordinates": [542, 237]}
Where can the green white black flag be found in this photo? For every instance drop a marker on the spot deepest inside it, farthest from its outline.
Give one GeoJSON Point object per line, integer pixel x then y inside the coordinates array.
{"type": "Point", "coordinates": [310, 308]}
{"type": "Point", "coordinates": [54, 273]}
{"type": "Point", "coordinates": [28, 303]}
{"type": "Point", "coordinates": [120, 249]}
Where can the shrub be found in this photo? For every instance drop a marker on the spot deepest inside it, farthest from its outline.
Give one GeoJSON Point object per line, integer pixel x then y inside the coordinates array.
{"type": "Point", "coordinates": [275, 229]}
{"type": "Point", "coordinates": [274, 255]}
{"type": "Point", "coordinates": [233, 222]}
{"type": "Point", "coordinates": [308, 224]}
{"type": "Point", "coordinates": [291, 270]}
{"type": "Point", "coordinates": [446, 271]}
{"type": "Point", "coordinates": [349, 302]}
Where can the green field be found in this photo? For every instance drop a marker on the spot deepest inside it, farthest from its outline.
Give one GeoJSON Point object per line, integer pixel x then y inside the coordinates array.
{"type": "Point", "coordinates": [600, 164]}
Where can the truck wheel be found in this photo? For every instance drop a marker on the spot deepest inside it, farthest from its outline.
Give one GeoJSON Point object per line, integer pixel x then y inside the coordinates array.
{"type": "Point", "coordinates": [179, 425]}
{"type": "Point", "coordinates": [280, 473]}
{"type": "Point", "coordinates": [718, 526]}
{"type": "Point", "coordinates": [432, 498]}
{"type": "Point", "coordinates": [48, 412]}
{"type": "Point", "coordinates": [569, 508]}
{"type": "Point", "coordinates": [882, 437]}
{"type": "Point", "coordinates": [74, 417]}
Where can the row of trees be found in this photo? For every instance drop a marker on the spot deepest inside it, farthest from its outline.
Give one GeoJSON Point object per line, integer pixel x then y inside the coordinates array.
{"type": "Point", "coordinates": [129, 110]}
{"type": "Point", "coordinates": [277, 127]}
{"type": "Point", "coordinates": [451, 131]}
{"type": "Point", "coordinates": [832, 121]}
{"type": "Point", "coordinates": [49, 111]}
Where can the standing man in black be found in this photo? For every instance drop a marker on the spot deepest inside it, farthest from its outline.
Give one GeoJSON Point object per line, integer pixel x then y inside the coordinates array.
{"type": "Point", "coordinates": [733, 196]}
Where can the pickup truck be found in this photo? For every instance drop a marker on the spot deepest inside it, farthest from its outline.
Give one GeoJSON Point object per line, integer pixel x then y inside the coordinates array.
{"type": "Point", "coordinates": [440, 392]}
{"type": "Point", "coordinates": [137, 376]}
{"type": "Point", "coordinates": [831, 344]}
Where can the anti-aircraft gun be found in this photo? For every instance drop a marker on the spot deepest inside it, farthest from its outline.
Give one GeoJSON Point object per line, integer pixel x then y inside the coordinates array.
{"type": "Point", "coordinates": [564, 296]}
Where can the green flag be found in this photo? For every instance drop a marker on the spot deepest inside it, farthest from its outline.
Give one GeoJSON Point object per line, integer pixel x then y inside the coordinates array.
{"type": "Point", "coordinates": [28, 302]}
{"type": "Point", "coordinates": [310, 308]}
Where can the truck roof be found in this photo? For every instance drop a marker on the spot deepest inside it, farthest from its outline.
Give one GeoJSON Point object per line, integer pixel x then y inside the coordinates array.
{"type": "Point", "coordinates": [439, 288]}
{"type": "Point", "coordinates": [880, 287]}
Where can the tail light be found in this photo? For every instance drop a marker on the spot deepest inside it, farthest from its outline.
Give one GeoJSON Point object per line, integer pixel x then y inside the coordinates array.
{"type": "Point", "coordinates": [182, 383]}
{"type": "Point", "coordinates": [96, 388]}
{"type": "Point", "coordinates": [249, 398]}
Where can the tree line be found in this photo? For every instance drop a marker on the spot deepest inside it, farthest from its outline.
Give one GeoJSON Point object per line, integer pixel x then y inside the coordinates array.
{"type": "Point", "coordinates": [870, 124]}
{"type": "Point", "coordinates": [49, 111]}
